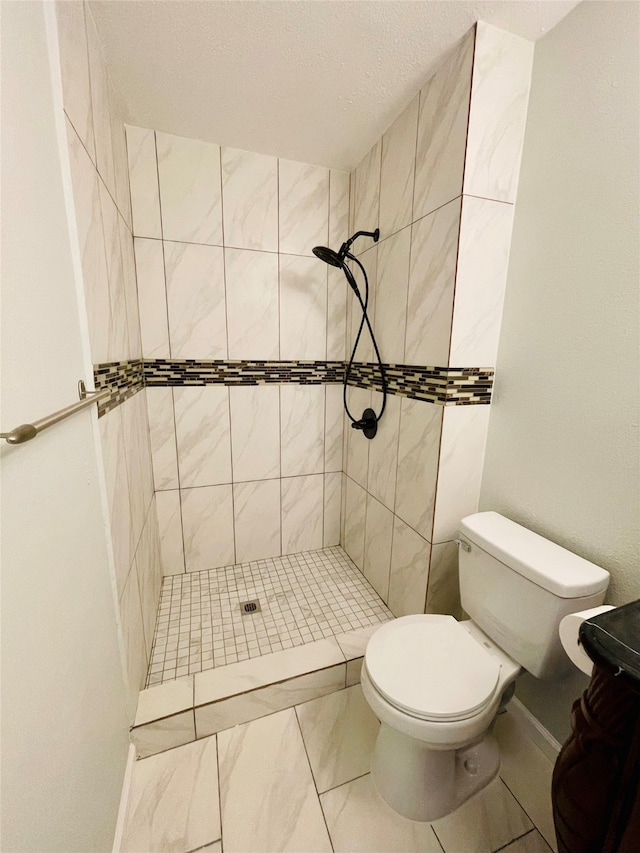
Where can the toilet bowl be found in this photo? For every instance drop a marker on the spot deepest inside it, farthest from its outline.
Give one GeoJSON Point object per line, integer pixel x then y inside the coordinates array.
{"type": "Point", "coordinates": [436, 684]}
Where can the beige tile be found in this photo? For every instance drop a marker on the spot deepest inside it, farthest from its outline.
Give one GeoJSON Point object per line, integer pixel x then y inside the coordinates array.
{"type": "Point", "coordinates": [164, 734]}
{"type": "Point", "coordinates": [173, 803]}
{"type": "Point", "coordinates": [258, 672]}
{"type": "Point", "coordinates": [532, 842]}
{"type": "Point", "coordinates": [339, 733]}
{"type": "Point", "coordinates": [354, 669]}
{"type": "Point", "coordinates": [354, 643]}
{"type": "Point", "coordinates": [164, 700]}
{"type": "Point", "coordinates": [269, 801]}
{"type": "Point", "coordinates": [359, 821]}
{"type": "Point", "coordinates": [217, 716]}
{"type": "Point", "coordinates": [490, 819]}
{"type": "Point", "coordinates": [527, 773]}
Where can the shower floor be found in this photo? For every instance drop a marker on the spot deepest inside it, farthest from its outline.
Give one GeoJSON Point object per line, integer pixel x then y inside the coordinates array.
{"type": "Point", "coordinates": [303, 598]}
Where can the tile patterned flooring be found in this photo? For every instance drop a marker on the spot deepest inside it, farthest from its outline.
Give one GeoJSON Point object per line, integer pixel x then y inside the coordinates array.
{"type": "Point", "coordinates": [304, 597]}
{"type": "Point", "coordinates": [298, 780]}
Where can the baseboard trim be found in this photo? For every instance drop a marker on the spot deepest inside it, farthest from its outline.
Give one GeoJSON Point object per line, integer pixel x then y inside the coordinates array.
{"type": "Point", "coordinates": [124, 799]}
{"type": "Point", "coordinates": [534, 729]}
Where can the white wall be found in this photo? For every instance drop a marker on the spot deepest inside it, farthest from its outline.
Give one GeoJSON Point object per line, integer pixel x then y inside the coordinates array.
{"type": "Point", "coordinates": [562, 455]}
{"type": "Point", "coordinates": [64, 721]}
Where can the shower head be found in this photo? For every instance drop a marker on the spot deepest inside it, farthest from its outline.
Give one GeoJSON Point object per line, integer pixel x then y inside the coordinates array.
{"type": "Point", "coordinates": [327, 255]}
{"type": "Point", "coordinates": [336, 259]}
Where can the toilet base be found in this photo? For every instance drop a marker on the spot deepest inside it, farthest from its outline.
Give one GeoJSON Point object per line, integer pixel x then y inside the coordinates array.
{"type": "Point", "coordinates": [424, 784]}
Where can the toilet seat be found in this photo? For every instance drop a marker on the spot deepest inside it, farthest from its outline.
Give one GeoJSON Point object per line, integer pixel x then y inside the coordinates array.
{"type": "Point", "coordinates": [431, 668]}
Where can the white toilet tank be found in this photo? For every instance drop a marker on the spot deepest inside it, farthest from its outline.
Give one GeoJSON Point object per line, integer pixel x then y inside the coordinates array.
{"type": "Point", "coordinates": [517, 586]}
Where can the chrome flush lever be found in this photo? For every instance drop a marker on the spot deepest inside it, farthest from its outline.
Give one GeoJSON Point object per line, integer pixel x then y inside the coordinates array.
{"type": "Point", "coordinates": [462, 544]}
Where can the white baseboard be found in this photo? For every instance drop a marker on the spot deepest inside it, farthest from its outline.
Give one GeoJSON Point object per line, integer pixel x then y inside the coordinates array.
{"type": "Point", "coordinates": [534, 729]}
{"type": "Point", "coordinates": [124, 799]}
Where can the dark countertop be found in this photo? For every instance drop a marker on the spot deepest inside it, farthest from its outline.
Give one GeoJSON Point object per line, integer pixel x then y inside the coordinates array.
{"type": "Point", "coordinates": [612, 641]}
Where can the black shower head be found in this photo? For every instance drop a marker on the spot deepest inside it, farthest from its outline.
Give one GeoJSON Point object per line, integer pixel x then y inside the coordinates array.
{"type": "Point", "coordinates": [336, 259]}
{"type": "Point", "coordinates": [329, 256]}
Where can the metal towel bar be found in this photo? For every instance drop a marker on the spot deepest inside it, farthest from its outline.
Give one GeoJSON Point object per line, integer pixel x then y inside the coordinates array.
{"type": "Point", "coordinates": [25, 432]}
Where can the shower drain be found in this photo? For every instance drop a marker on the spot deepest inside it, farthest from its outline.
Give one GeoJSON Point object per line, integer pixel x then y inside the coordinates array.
{"type": "Point", "coordinates": [250, 606]}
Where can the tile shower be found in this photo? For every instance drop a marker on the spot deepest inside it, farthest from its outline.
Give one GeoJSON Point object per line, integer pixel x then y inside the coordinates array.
{"type": "Point", "coordinates": [227, 464]}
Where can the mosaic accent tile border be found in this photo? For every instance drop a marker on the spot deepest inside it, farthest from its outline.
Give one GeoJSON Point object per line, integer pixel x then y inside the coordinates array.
{"type": "Point", "coordinates": [191, 372]}
{"type": "Point", "coordinates": [443, 386]}
{"type": "Point", "coordinates": [122, 378]}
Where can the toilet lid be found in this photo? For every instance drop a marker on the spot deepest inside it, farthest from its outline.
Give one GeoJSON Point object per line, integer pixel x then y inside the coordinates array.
{"type": "Point", "coordinates": [431, 667]}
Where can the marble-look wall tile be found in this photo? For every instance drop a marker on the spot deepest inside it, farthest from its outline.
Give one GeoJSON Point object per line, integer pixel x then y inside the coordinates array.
{"type": "Point", "coordinates": [130, 289]}
{"type": "Point", "coordinates": [173, 802]}
{"type": "Point", "coordinates": [420, 428]}
{"type": "Point", "coordinates": [333, 427]}
{"type": "Point", "coordinates": [161, 735]}
{"type": "Point", "coordinates": [207, 525]}
{"type": "Point", "coordinates": [442, 130]}
{"type": "Point", "coordinates": [256, 507]}
{"type": "Point", "coordinates": [241, 708]}
{"type": "Point", "coordinates": [162, 434]}
{"type": "Point", "coordinates": [255, 432]}
{"type": "Point", "coordinates": [337, 288]}
{"type": "Point", "coordinates": [464, 435]}
{"type": "Point", "coordinates": [377, 546]}
{"type": "Point", "coordinates": [143, 182]}
{"type": "Point", "coordinates": [302, 429]}
{"type": "Point", "coordinates": [369, 260]}
{"type": "Point", "coordinates": [132, 452]}
{"type": "Point", "coordinates": [338, 208]}
{"type": "Point", "coordinates": [302, 513]}
{"type": "Point", "coordinates": [501, 80]}
{"type": "Point", "coordinates": [398, 165]}
{"type": "Point", "coordinates": [190, 194]}
{"type": "Point", "coordinates": [154, 325]}
{"type": "Point", "coordinates": [196, 300]}
{"type": "Point", "coordinates": [357, 457]}
{"type": "Point", "coordinates": [392, 283]}
{"type": "Point", "coordinates": [252, 304]}
{"type": "Point", "coordinates": [170, 527]}
{"type": "Point", "coordinates": [303, 212]}
{"type": "Point", "coordinates": [367, 194]}
{"type": "Point", "coordinates": [303, 308]}
{"type": "Point", "coordinates": [86, 196]}
{"type": "Point", "coordinates": [100, 105]}
{"type": "Point", "coordinates": [354, 670]}
{"type": "Point", "coordinates": [332, 507]}
{"type": "Point", "coordinates": [409, 570]}
{"type": "Point", "coordinates": [122, 197]}
{"type": "Point", "coordinates": [250, 192]}
{"type": "Point", "coordinates": [133, 636]}
{"type": "Point", "coordinates": [74, 68]}
{"type": "Point", "coordinates": [354, 522]}
{"type": "Point", "coordinates": [481, 277]}
{"type": "Point", "coordinates": [434, 247]}
{"type": "Point", "coordinates": [252, 785]}
{"type": "Point", "coordinates": [443, 592]}
{"type": "Point", "coordinates": [383, 450]}
{"type": "Point", "coordinates": [149, 569]}
{"type": "Point", "coordinates": [119, 333]}
{"type": "Point", "coordinates": [115, 469]}
{"type": "Point", "coordinates": [203, 435]}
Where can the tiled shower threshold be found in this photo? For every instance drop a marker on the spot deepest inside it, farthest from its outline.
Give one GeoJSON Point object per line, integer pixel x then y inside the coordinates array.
{"type": "Point", "coordinates": [213, 667]}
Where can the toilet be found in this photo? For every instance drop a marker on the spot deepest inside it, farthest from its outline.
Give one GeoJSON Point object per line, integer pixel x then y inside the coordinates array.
{"type": "Point", "coordinates": [437, 684]}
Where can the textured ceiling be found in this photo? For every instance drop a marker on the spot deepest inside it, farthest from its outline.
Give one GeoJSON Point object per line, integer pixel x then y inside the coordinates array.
{"type": "Point", "coordinates": [311, 80]}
